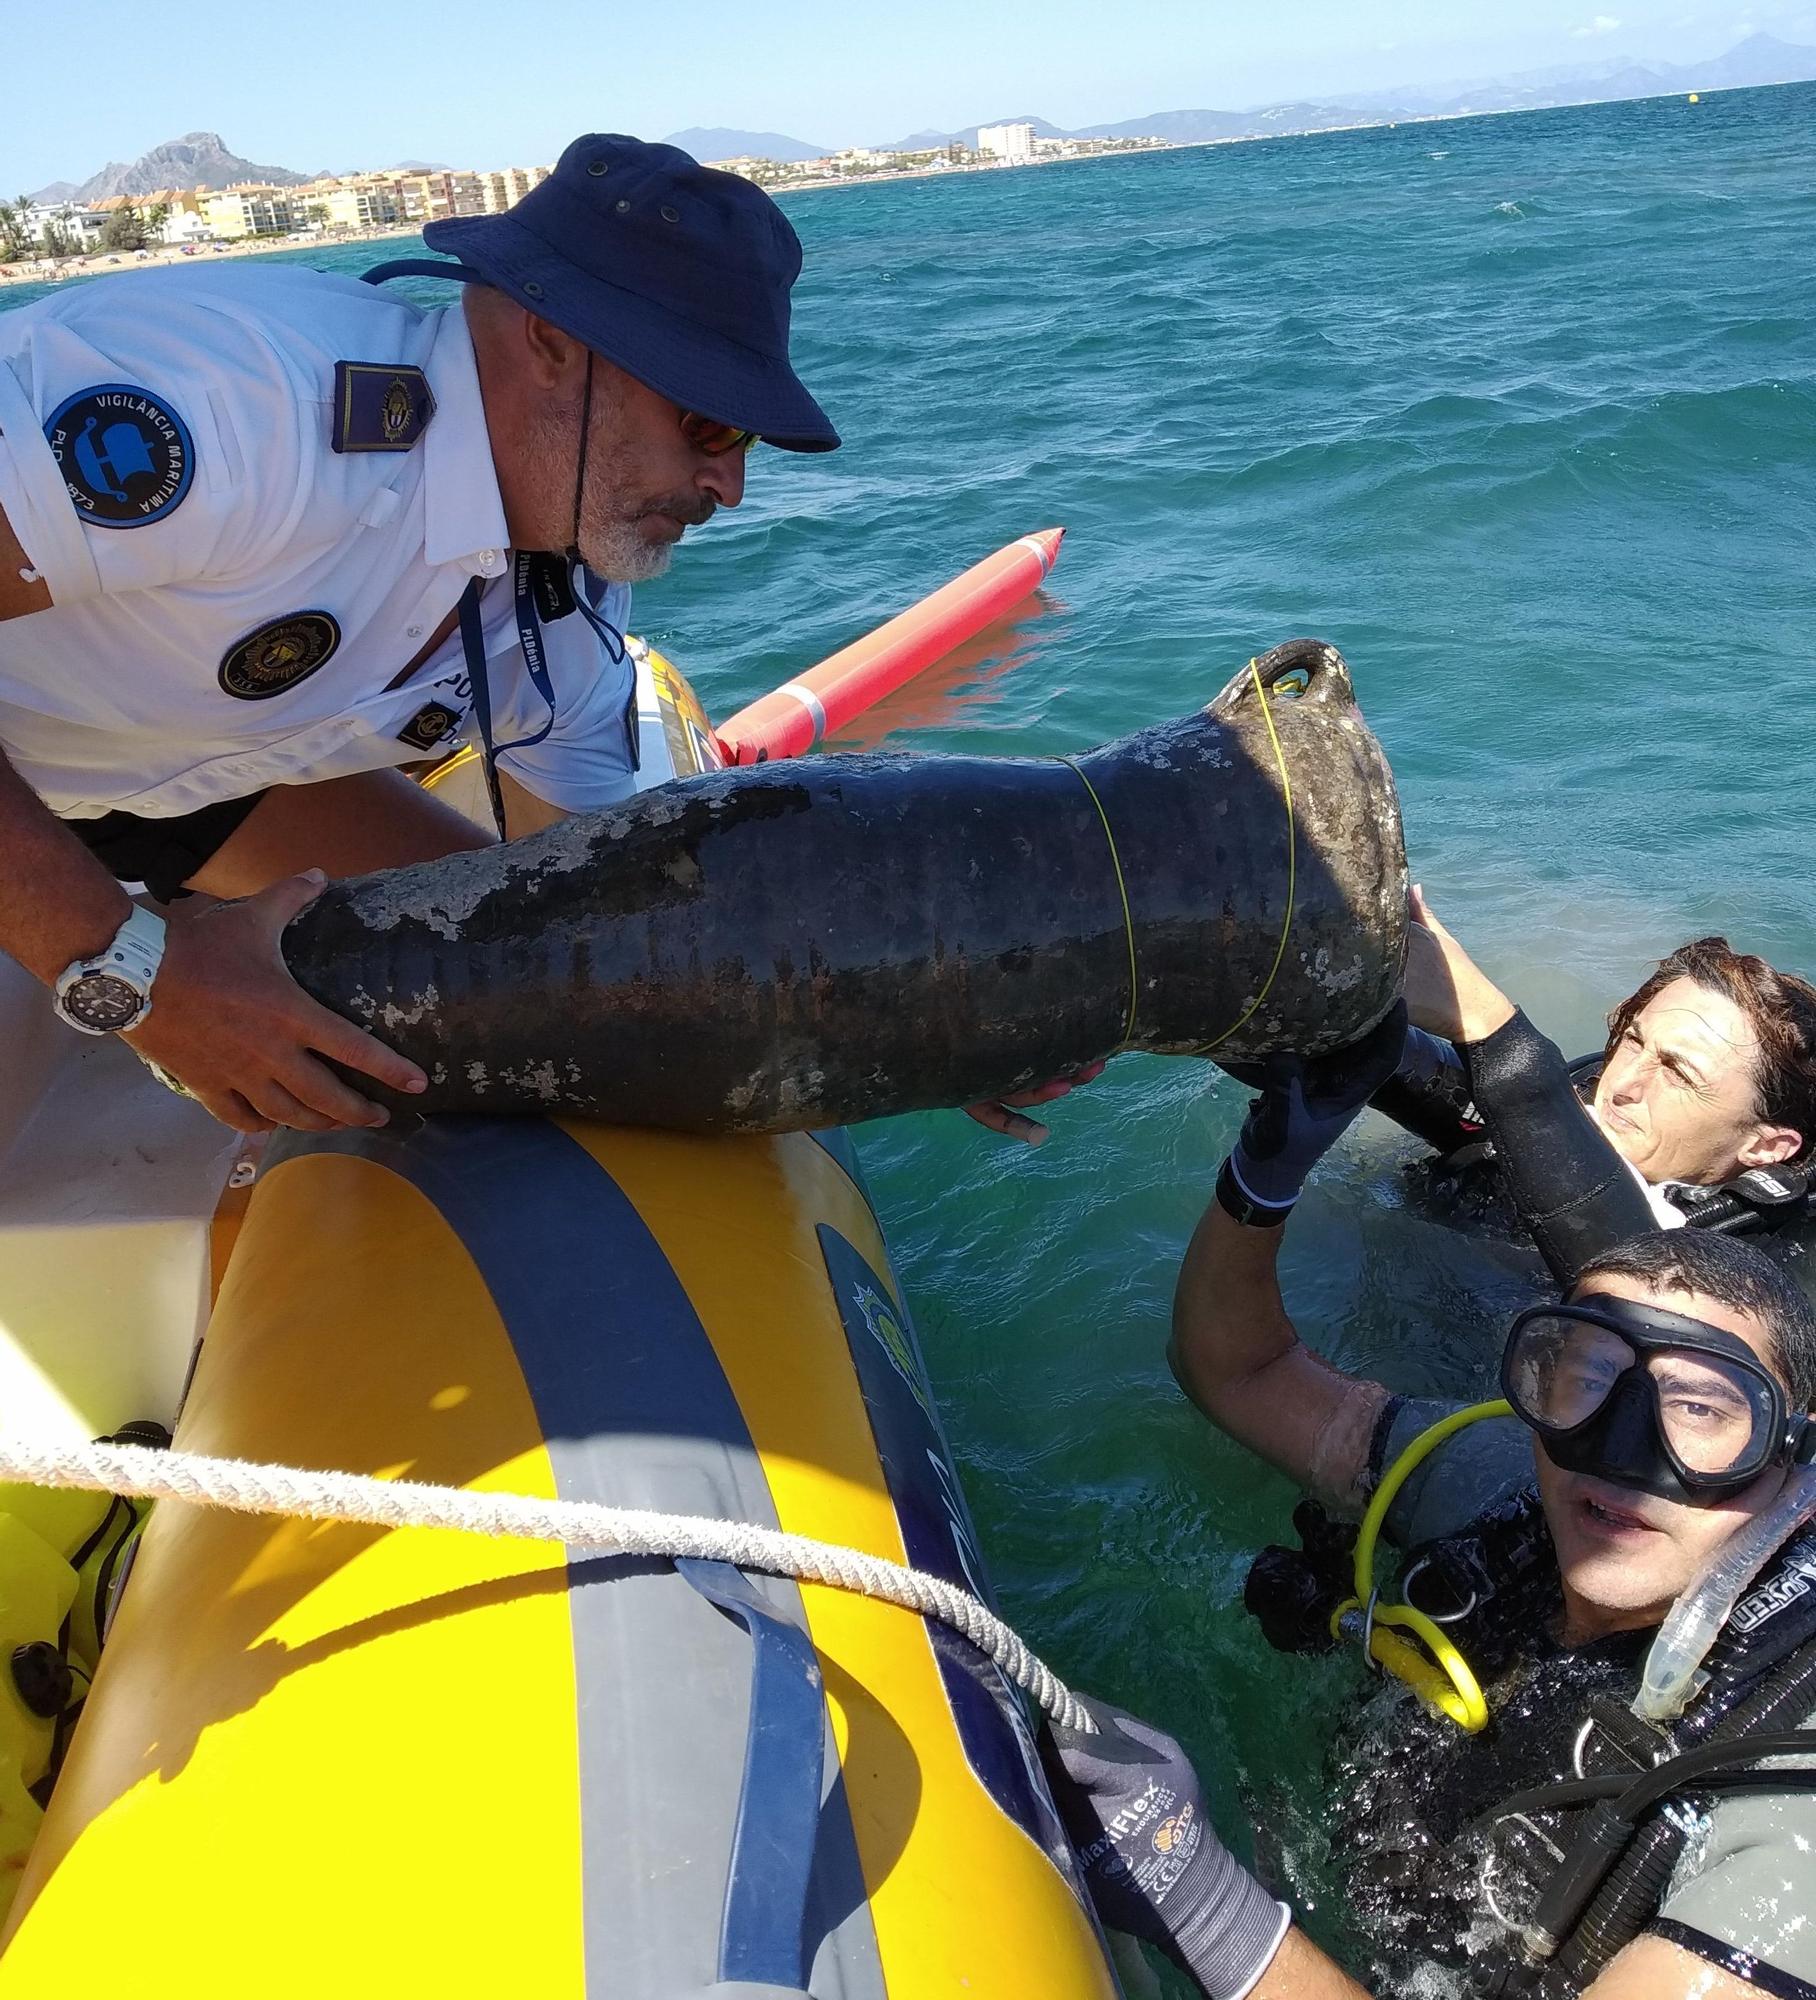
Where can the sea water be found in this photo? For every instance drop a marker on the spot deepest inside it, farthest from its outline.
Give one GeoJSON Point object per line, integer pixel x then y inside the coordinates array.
{"type": "Point", "coordinates": [1520, 412]}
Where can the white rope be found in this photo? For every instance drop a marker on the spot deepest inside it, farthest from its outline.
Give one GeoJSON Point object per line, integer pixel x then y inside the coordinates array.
{"type": "Point", "coordinates": [138, 1473]}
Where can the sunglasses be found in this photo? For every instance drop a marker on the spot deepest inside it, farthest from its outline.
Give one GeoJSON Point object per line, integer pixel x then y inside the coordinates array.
{"type": "Point", "coordinates": [707, 434]}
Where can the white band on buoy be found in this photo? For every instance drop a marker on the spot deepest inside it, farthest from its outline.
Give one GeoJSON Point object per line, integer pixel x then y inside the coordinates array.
{"type": "Point", "coordinates": [809, 701]}
{"type": "Point", "coordinates": [1040, 549]}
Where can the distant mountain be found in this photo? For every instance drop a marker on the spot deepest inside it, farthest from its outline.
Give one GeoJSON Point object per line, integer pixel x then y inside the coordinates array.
{"type": "Point", "coordinates": [198, 159]}
{"type": "Point", "coordinates": [1190, 128]}
{"type": "Point", "coordinates": [1179, 128]}
{"type": "Point", "coordinates": [1757, 60]}
{"type": "Point", "coordinates": [1760, 59]}
{"type": "Point", "coordinates": [724, 142]}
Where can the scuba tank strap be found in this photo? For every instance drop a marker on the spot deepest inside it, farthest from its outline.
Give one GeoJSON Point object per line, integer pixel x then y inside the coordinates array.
{"type": "Point", "coordinates": [1609, 1828]}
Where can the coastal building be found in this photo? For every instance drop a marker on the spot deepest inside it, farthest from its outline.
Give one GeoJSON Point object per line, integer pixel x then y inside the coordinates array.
{"type": "Point", "coordinates": [421, 197]}
{"type": "Point", "coordinates": [183, 225]}
{"type": "Point", "coordinates": [1013, 143]}
{"type": "Point", "coordinates": [188, 217]}
{"type": "Point", "coordinates": [78, 226]}
{"type": "Point", "coordinates": [359, 201]}
{"type": "Point", "coordinates": [466, 194]}
{"type": "Point", "coordinates": [250, 211]}
{"type": "Point", "coordinates": [183, 220]}
{"type": "Point", "coordinates": [170, 216]}
{"type": "Point", "coordinates": [503, 188]}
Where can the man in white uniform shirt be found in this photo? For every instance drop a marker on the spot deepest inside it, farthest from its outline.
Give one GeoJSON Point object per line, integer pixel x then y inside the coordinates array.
{"type": "Point", "coordinates": [267, 535]}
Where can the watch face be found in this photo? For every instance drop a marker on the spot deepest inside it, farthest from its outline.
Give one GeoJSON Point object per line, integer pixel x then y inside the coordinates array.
{"type": "Point", "coordinates": [103, 1002]}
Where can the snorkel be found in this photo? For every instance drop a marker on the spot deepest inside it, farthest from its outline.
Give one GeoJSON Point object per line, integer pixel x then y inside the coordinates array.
{"type": "Point", "coordinates": [1673, 1674]}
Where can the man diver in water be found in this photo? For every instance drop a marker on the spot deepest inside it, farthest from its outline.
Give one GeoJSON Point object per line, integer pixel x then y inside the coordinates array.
{"type": "Point", "coordinates": [1659, 1408]}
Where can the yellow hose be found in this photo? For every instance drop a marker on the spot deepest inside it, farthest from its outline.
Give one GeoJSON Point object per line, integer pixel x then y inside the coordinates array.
{"type": "Point", "coordinates": [1440, 1676]}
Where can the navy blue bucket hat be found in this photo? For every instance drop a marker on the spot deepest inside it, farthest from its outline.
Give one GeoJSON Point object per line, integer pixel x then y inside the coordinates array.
{"type": "Point", "coordinates": [676, 272]}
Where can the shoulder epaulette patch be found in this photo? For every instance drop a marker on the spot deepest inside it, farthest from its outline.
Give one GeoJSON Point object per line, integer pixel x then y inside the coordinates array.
{"type": "Point", "coordinates": [379, 406]}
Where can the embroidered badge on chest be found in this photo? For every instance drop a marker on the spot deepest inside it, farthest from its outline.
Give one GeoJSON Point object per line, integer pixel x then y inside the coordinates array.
{"type": "Point", "coordinates": [379, 406]}
{"type": "Point", "coordinates": [275, 657]}
{"type": "Point", "coordinates": [432, 724]}
{"type": "Point", "coordinates": [125, 454]}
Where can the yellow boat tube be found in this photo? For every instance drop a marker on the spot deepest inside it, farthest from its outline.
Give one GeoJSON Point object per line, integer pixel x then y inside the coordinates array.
{"type": "Point", "coordinates": [338, 1760]}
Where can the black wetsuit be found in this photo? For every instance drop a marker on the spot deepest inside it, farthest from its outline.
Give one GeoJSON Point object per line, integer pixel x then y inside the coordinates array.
{"type": "Point", "coordinates": [1432, 1902]}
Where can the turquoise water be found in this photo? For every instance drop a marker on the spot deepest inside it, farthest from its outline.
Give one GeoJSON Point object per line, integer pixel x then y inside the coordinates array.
{"type": "Point", "coordinates": [1521, 413]}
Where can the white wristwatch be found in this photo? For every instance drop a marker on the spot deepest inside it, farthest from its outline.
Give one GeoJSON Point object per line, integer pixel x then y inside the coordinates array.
{"type": "Point", "coordinates": [105, 995]}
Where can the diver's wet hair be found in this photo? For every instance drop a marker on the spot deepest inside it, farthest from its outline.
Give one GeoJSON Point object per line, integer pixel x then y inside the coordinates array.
{"type": "Point", "coordinates": [1725, 1268]}
{"type": "Point", "coordinates": [1781, 1009]}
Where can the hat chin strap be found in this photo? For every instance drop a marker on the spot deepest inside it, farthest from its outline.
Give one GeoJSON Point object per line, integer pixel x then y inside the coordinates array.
{"type": "Point", "coordinates": [609, 635]}
{"type": "Point", "coordinates": [454, 272]}
{"type": "Point", "coordinates": [586, 433]}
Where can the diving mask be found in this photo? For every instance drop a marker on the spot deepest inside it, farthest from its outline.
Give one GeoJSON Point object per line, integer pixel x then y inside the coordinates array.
{"type": "Point", "coordinates": [1647, 1398]}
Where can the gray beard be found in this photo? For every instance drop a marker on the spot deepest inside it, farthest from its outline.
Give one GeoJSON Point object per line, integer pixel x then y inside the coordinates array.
{"type": "Point", "coordinates": [616, 552]}
{"type": "Point", "coordinates": [609, 544]}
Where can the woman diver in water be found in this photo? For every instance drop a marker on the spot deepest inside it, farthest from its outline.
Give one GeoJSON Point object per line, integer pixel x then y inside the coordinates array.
{"type": "Point", "coordinates": [1706, 1088]}
{"type": "Point", "coordinates": [1655, 1419]}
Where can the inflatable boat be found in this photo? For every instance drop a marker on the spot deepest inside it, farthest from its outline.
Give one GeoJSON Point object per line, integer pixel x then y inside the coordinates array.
{"type": "Point", "coordinates": [336, 1759]}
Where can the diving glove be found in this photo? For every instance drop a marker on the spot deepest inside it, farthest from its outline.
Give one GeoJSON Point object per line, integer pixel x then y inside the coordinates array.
{"type": "Point", "coordinates": [1306, 1105]}
{"type": "Point", "coordinates": [1134, 1809]}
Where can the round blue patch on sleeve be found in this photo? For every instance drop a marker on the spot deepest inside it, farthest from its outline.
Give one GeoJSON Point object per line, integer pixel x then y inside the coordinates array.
{"type": "Point", "coordinates": [125, 455]}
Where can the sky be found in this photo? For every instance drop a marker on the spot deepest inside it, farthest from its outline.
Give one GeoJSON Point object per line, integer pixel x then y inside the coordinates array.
{"type": "Point", "coordinates": [472, 83]}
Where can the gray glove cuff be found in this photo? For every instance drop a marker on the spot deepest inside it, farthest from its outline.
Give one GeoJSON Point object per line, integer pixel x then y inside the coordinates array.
{"type": "Point", "coordinates": [1230, 1939]}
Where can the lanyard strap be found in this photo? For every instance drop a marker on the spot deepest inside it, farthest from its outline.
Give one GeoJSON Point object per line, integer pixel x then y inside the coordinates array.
{"type": "Point", "coordinates": [524, 579]}
{"type": "Point", "coordinates": [473, 645]}
{"type": "Point", "coordinates": [535, 658]}
{"type": "Point", "coordinates": [529, 633]}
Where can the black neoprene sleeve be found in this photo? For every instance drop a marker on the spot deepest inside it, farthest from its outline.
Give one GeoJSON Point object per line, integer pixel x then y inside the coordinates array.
{"type": "Point", "coordinates": [1568, 1185]}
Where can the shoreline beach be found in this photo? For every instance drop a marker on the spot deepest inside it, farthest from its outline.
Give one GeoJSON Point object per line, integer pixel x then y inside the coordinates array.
{"type": "Point", "coordinates": [98, 264]}
{"type": "Point", "coordinates": [45, 271]}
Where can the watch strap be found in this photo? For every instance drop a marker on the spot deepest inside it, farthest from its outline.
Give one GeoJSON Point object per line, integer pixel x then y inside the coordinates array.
{"type": "Point", "coordinates": [138, 948]}
{"type": "Point", "coordinates": [134, 955]}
